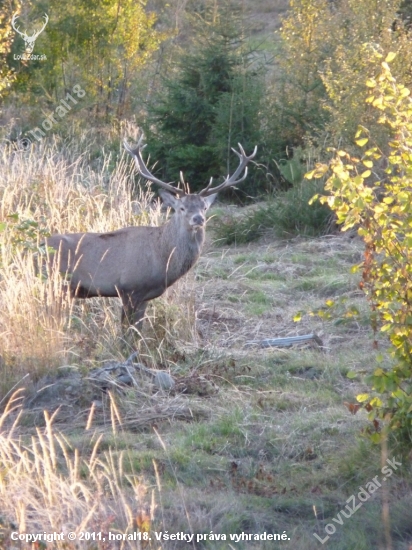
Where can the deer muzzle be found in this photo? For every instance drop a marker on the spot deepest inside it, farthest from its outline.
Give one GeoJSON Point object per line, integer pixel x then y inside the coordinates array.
{"type": "Point", "coordinates": [198, 220]}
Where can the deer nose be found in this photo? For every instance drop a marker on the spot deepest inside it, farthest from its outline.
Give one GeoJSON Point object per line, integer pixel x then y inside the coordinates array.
{"type": "Point", "coordinates": [198, 219]}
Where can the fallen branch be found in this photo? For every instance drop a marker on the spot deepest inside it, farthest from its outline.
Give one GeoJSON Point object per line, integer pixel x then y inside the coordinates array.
{"type": "Point", "coordinates": [285, 342]}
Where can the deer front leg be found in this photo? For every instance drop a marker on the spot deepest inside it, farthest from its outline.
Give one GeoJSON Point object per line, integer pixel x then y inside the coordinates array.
{"type": "Point", "coordinates": [133, 311]}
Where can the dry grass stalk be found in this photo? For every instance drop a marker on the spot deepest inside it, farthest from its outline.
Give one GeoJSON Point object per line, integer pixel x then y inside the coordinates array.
{"type": "Point", "coordinates": [47, 486]}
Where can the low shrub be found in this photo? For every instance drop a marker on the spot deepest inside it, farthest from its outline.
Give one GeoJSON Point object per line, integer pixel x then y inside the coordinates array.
{"type": "Point", "coordinates": [286, 214]}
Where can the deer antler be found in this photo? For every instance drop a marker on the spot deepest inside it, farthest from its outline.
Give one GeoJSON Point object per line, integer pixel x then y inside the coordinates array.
{"type": "Point", "coordinates": [231, 180]}
{"type": "Point", "coordinates": [136, 152]}
{"type": "Point", "coordinates": [35, 35]}
{"type": "Point", "coordinates": [17, 29]}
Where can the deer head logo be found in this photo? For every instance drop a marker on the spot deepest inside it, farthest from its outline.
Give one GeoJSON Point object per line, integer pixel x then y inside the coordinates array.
{"type": "Point", "coordinates": [29, 41]}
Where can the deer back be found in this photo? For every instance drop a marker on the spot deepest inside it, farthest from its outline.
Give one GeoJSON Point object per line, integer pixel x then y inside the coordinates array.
{"type": "Point", "coordinates": [143, 259]}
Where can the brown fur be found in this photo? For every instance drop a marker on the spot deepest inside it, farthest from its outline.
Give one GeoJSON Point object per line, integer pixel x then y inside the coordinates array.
{"type": "Point", "coordinates": [135, 263]}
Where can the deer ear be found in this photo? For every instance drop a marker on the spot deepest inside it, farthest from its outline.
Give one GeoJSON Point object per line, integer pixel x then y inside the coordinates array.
{"type": "Point", "coordinates": [168, 199]}
{"type": "Point", "coordinates": [210, 199]}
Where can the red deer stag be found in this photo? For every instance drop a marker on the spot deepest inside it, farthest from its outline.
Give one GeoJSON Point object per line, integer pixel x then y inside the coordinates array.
{"type": "Point", "coordinates": [138, 264]}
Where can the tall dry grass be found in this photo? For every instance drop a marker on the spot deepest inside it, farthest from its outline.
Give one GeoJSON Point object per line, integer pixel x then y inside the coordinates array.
{"type": "Point", "coordinates": [54, 186]}
{"type": "Point", "coordinates": [46, 486]}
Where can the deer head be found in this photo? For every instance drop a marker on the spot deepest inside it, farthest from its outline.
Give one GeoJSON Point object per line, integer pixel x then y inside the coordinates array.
{"type": "Point", "coordinates": [29, 41]}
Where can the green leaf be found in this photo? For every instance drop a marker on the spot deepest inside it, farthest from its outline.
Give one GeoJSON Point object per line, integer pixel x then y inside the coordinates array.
{"type": "Point", "coordinates": [399, 394]}
{"type": "Point", "coordinates": [375, 438]}
{"type": "Point", "coordinates": [351, 374]}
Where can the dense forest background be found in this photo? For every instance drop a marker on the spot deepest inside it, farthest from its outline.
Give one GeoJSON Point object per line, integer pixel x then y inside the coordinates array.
{"type": "Point", "coordinates": [200, 76]}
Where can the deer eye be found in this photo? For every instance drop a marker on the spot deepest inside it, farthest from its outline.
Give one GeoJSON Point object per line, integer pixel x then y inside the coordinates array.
{"type": "Point", "coordinates": [182, 209]}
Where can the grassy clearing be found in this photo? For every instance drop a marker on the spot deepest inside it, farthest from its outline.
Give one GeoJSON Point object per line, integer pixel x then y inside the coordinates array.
{"type": "Point", "coordinates": [263, 441]}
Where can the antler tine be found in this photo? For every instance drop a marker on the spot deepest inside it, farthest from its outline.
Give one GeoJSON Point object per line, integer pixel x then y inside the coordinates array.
{"type": "Point", "coordinates": [136, 152]}
{"type": "Point", "coordinates": [209, 185]}
{"type": "Point", "coordinates": [185, 184]}
{"type": "Point", "coordinates": [229, 181]}
{"type": "Point", "coordinates": [13, 22]}
{"type": "Point", "coordinates": [44, 26]}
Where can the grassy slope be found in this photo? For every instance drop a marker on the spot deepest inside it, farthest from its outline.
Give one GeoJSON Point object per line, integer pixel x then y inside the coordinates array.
{"type": "Point", "coordinates": [276, 443]}
{"type": "Point", "coordinates": [278, 440]}
{"type": "Point", "coordinates": [273, 449]}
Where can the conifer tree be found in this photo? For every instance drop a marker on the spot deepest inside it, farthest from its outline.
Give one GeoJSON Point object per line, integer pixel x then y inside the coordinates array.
{"type": "Point", "coordinates": [210, 104]}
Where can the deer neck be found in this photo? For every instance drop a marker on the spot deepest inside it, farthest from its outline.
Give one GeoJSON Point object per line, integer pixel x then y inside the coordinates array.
{"type": "Point", "coordinates": [181, 248]}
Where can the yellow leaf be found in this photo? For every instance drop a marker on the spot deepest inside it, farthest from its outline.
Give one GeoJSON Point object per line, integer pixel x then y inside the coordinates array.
{"type": "Point", "coordinates": [376, 402]}
{"type": "Point", "coordinates": [143, 521]}
{"type": "Point", "coordinates": [390, 57]}
{"type": "Point", "coordinates": [378, 102]}
{"type": "Point", "coordinates": [371, 83]}
{"type": "Point", "coordinates": [368, 163]}
{"type": "Point", "coordinates": [361, 142]}
{"type": "Point", "coordinates": [366, 174]}
{"type": "Point", "coordinates": [362, 397]}
{"type": "Point", "coordinates": [385, 66]}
